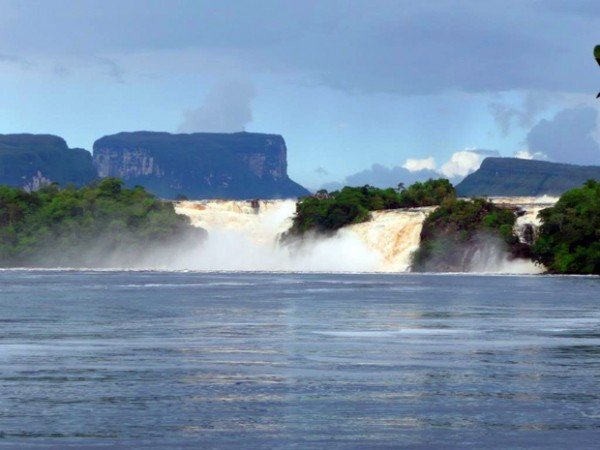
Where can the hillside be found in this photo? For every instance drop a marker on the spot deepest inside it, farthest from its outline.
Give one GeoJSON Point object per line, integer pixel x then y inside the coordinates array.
{"type": "Point", "coordinates": [199, 165]}
{"type": "Point", "coordinates": [33, 160]}
{"type": "Point", "coordinates": [522, 177]}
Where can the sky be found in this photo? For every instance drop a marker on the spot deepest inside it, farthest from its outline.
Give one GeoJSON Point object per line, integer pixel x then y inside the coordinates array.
{"type": "Point", "coordinates": [363, 91]}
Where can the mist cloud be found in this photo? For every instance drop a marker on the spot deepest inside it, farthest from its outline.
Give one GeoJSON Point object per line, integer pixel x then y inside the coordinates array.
{"type": "Point", "coordinates": [567, 137]}
{"type": "Point", "coordinates": [15, 59]}
{"type": "Point", "coordinates": [113, 70]}
{"type": "Point", "coordinates": [526, 154]}
{"type": "Point", "coordinates": [507, 116]}
{"type": "Point", "coordinates": [227, 108]}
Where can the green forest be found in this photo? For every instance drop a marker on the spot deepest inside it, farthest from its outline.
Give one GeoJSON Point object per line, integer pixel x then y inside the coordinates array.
{"type": "Point", "coordinates": [569, 238]}
{"type": "Point", "coordinates": [75, 226]}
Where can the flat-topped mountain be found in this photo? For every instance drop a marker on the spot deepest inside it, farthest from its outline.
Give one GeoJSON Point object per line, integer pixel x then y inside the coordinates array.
{"type": "Point", "coordinates": [522, 177]}
{"type": "Point", "coordinates": [33, 160]}
{"type": "Point", "coordinates": [199, 165]}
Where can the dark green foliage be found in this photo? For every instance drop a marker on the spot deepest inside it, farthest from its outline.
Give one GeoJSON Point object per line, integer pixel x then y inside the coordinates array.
{"type": "Point", "coordinates": [428, 193]}
{"type": "Point", "coordinates": [569, 238]}
{"type": "Point", "coordinates": [521, 177]}
{"type": "Point", "coordinates": [22, 156]}
{"type": "Point", "coordinates": [199, 165]}
{"type": "Point", "coordinates": [71, 227]}
{"type": "Point", "coordinates": [327, 212]}
{"type": "Point", "coordinates": [460, 227]}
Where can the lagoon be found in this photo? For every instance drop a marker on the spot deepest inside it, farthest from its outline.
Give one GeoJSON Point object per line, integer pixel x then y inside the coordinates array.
{"type": "Point", "coordinates": [100, 359]}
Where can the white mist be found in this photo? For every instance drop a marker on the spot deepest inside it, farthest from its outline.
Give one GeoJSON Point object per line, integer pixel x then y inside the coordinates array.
{"type": "Point", "coordinates": [246, 238]}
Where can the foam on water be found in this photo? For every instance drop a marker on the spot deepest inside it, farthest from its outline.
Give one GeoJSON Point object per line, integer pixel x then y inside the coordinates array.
{"type": "Point", "coordinates": [391, 333]}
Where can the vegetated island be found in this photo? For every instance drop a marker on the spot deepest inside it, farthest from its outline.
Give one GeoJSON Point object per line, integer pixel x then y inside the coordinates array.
{"type": "Point", "coordinates": [91, 226]}
{"type": "Point", "coordinates": [455, 232]}
{"type": "Point", "coordinates": [326, 212]}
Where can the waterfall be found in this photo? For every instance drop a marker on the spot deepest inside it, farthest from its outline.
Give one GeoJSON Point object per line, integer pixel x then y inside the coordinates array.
{"type": "Point", "coordinates": [394, 235]}
{"type": "Point", "coordinates": [261, 221]}
{"type": "Point", "coordinates": [527, 209]}
{"type": "Point", "coordinates": [244, 235]}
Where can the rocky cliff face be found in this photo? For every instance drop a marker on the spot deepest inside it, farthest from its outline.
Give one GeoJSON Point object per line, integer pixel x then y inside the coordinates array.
{"type": "Point", "coordinates": [31, 161]}
{"type": "Point", "coordinates": [199, 165]}
{"type": "Point", "coordinates": [127, 163]}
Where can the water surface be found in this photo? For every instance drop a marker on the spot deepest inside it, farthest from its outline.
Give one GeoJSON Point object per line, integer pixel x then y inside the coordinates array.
{"type": "Point", "coordinates": [257, 360]}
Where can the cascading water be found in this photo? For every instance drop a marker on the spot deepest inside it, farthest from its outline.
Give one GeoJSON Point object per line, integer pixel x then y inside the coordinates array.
{"type": "Point", "coordinates": [527, 223]}
{"type": "Point", "coordinates": [244, 235]}
{"type": "Point", "coordinates": [260, 221]}
{"type": "Point", "coordinates": [394, 235]}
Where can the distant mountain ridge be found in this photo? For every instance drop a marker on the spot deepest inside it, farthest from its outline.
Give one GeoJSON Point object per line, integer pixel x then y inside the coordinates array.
{"type": "Point", "coordinates": [32, 160]}
{"type": "Point", "coordinates": [516, 177]}
{"type": "Point", "coordinates": [199, 165]}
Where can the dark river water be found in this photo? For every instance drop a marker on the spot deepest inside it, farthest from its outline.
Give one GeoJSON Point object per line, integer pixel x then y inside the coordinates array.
{"type": "Point", "coordinates": [251, 360]}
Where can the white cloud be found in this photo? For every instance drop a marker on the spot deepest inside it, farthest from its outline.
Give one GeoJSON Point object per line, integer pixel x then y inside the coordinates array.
{"type": "Point", "coordinates": [415, 165]}
{"type": "Point", "coordinates": [463, 163]}
{"type": "Point", "coordinates": [383, 177]}
{"type": "Point", "coordinates": [525, 154]}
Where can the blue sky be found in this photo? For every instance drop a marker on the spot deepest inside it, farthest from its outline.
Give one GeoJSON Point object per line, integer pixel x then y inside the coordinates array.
{"type": "Point", "coordinates": [349, 84]}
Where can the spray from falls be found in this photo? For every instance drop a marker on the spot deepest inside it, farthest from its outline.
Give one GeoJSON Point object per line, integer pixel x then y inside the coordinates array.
{"type": "Point", "coordinates": [491, 256]}
{"type": "Point", "coordinates": [245, 235]}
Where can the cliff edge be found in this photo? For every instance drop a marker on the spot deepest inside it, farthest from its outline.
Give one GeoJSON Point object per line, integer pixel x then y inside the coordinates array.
{"type": "Point", "coordinates": [513, 177]}
{"type": "Point", "coordinates": [199, 165]}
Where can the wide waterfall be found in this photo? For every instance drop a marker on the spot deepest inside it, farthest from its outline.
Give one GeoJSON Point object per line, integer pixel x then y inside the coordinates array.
{"type": "Point", "coordinates": [244, 235]}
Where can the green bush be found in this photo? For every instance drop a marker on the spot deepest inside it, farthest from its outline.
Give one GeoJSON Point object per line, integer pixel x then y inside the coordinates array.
{"type": "Point", "coordinates": [569, 238]}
